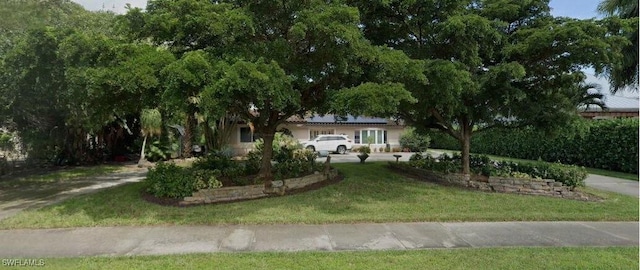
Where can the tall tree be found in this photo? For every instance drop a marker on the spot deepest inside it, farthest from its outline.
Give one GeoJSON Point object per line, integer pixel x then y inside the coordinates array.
{"type": "Point", "coordinates": [184, 80]}
{"type": "Point", "coordinates": [624, 75]}
{"type": "Point", "coordinates": [271, 59]}
{"type": "Point", "coordinates": [298, 58]}
{"type": "Point", "coordinates": [489, 63]}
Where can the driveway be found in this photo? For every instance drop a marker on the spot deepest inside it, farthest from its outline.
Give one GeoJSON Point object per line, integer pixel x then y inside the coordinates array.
{"type": "Point", "coordinates": [15, 199]}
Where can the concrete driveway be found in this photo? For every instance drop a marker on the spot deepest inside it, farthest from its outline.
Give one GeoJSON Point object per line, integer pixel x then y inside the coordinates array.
{"type": "Point", "coordinates": [612, 184]}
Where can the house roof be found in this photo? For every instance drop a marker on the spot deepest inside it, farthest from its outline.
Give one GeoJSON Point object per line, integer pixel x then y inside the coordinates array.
{"type": "Point", "coordinates": [330, 119]}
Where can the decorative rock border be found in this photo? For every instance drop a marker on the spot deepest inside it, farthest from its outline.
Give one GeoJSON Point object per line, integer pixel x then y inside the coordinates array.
{"type": "Point", "coordinates": [527, 186]}
{"type": "Point", "coordinates": [228, 194]}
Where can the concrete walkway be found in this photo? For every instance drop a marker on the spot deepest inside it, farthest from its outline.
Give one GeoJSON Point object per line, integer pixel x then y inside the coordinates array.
{"type": "Point", "coordinates": [328, 237]}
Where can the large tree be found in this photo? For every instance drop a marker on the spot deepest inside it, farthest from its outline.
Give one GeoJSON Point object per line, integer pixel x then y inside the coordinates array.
{"type": "Point", "coordinates": [305, 57]}
{"type": "Point", "coordinates": [489, 63]}
{"type": "Point", "coordinates": [624, 74]}
{"type": "Point", "coordinates": [271, 60]}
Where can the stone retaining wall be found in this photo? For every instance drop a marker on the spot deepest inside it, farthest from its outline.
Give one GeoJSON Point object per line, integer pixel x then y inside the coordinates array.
{"type": "Point", "coordinates": [528, 186]}
{"type": "Point", "coordinates": [226, 194]}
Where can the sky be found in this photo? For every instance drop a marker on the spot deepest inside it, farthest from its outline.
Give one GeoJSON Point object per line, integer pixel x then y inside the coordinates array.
{"type": "Point", "coordinates": [580, 9]}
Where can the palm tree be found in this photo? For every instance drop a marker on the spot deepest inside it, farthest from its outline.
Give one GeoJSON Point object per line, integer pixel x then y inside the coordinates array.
{"type": "Point", "coordinates": [624, 75]}
{"type": "Point", "coordinates": [151, 125]}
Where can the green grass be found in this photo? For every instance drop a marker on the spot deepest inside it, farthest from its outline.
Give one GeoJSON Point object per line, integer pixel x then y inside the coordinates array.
{"type": "Point", "coordinates": [59, 176]}
{"type": "Point", "coordinates": [369, 193]}
{"type": "Point", "coordinates": [621, 175]}
{"type": "Point", "coordinates": [477, 258]}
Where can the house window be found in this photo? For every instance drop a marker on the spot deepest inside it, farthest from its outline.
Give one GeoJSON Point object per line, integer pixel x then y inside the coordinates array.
{"type": "Point", "coordinates": [246, 136]}
{"type": "Point", "coordinates": [313, 133]}
{"type": "Point", "coordinates": [373, 136]}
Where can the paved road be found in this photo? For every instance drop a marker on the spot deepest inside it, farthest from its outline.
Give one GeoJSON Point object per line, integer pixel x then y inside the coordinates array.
{"type": "Point", "coordinates": [328, 237]}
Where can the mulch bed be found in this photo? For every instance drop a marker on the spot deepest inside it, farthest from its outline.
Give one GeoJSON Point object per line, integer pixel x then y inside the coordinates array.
{"type": "Point", "coordinates": [176, 202]}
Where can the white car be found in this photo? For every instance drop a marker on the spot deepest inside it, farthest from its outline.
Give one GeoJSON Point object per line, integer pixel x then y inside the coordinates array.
{"type": "Point", "coordinates": [331, 143]}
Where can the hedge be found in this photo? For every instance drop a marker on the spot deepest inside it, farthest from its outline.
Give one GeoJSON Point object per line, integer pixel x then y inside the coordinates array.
{"type": "Point", "coordinates": [606, 144]}
{"type": "Point", "coordinates": [569, 175]}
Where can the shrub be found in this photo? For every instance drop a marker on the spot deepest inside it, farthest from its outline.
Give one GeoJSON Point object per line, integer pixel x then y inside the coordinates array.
{"type": "Point", "coordinates": [413, 141]}
{"type": "Point", "coordinates": [302, 163]}
{"type": "Point", "coordinates": [608, 144]}
{"type": "Point", "coordinates": [480, 164]}
{"type": "Point", "coordinates": [169, 180]}
{"type": "Point", "coordinates": [283, 147]}
{"type": "Point", "coordinates": [221, 163]}
{"type": "Point", "coordinates": [253, 162]}
{"type": "Point", "coordinates": [364, 150]}
{"type": "Point", "coordinates": [205, 179]}
{"type": "Point", "coordinates": [214, 160]}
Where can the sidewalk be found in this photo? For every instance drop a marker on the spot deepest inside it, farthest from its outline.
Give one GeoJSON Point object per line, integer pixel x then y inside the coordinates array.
{"type": "Point", "coordinates": [329, 237]}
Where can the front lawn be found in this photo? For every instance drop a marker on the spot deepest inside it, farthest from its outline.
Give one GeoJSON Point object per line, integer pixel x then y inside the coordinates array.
{"type": "Point", "coordinates": [476, 258]}
{"type": "Point", "coordinates": [369, 193]}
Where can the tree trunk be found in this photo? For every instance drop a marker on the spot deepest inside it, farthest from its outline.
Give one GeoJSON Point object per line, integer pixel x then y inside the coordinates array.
{"type": "Point", "coordinates": [267, 153]}
{"type": "Point", "coordinates": [187, 141]}
{"type": "Point", "coordinates": [209, 137]}
{"type": "Point", "coordinates": [142, 154]}
{"type": "Point", "coordinates": [465, 144]}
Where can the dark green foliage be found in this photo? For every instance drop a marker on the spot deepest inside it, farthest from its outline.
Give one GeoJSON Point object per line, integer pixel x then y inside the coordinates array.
{"type": "Point", "coordinates": [364, 150]}
{"type": "Point", "coordinates": [413, 141]}
{"type": "Point", "coordinates": [214, 160]}
{"type": "Point", "coordinates": [608, 144]}
{"type": "Point", "coordinates": [252, 164]}
{"type": "Point", "coordinates": [440, 140]}
{"type": "Point", "coordinates": [169, 180]}
{"type": "Point", "coordinates": [283, 147]}
{"type": "Point", "coordinates": [480, 164]}
{"type": "Point", "coordinates": [567, 174]}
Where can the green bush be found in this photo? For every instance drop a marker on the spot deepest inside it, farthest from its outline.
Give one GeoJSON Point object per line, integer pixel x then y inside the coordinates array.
{"type": "Point", "coordinates": [413, 141]}
{"type": "Point", "coordinates": [283, 147]}
{"type": "Point", "coordinates": [606, 144]}
{"type": "Point", "coordinates": [569, 175]}
{"type": "Point", "coordinates": [215, 160]}
{"type": "Point", "coordinates": [480, 164]}
{"type": "Point", "coordinates": [364, 150]}
{"type": "Point", "coordinates": [303, 162]}
{"type": "Point", "coordinates": [169, 180]}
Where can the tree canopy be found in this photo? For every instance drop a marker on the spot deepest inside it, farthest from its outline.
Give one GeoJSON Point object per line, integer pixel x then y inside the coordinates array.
{"type": "Point", "coordinates": [624, 74]}
{"type": "Point", "coordinates": [458, 66]}
{"type": "Point", "coordinates": [491, 63]}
